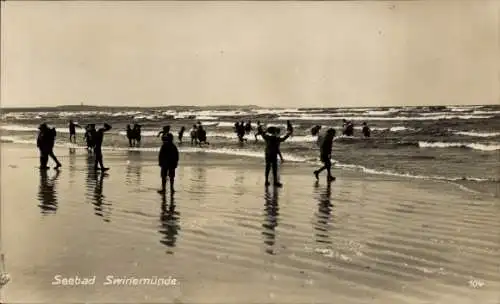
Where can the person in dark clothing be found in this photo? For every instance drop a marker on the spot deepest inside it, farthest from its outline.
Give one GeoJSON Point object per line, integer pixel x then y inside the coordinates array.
{"type": "Point", "coordinates": [240, 131]}
{"type": "Point", "coordinates": [130, 136]}
{"type": "Point", "coordinates": [88, 137]}
{"type": "Point", "coordinates": [260, 130]}
{"type": "Point", "coordinates": [168, 160]}
{"type": "Point", "coordinates": [181, 134]}
{"type": "Point", "coordinates": [137, 134]}
{"type": "Point", "coordinates": [326, 155]}
{"type": "Point", "coordinates": [248, 127]}
{"type": "Point", "coordinates": [72, 131]}
{"type": "Point", "coordinates": [51, 140]}
{"type": "Point", "coordinates": [202, 136]}
{"type": "Point", "coordinates": [41, 143]}
{"type": "Point", "coordinates": [366, 130]}
{"type": "Point", "coordinates": [164, 131]}
{"type": "Point", "coordinates": [348, 128]}
{"type": "Point", "coordinates": [194, 135]}
{"type": "Point", "coordinates": [289, 127]}
{"type": "Point", "coordinates": [98, 137]}
{"type": "Point", "coordinates": [273, 141]}
{"type": "Point", "coordinates": [45, 143]}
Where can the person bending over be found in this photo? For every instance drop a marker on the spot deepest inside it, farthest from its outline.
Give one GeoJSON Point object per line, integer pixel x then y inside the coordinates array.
{"type": "Point", "coordinates": [366, 130]}
{"type": "Point", "coordinates": [202, 136]}
{"type": "Point", "coordinates": [273, 141]}
{"type": "Point", "coordinates": [168, 160]}
{"type": "Point", "coordinates": [98, 138]}
{"type": "Point", "coordinates": [326, 155]}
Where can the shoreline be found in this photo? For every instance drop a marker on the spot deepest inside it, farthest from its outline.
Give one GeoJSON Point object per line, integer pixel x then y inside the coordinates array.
{"type": "Point", "coordinates": [255, 159]}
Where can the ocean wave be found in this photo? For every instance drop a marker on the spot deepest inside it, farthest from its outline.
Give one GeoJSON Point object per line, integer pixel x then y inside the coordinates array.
{"type": "Point", "coordinates": [20, 128]}
{"type": "Point", "coordinates": [476, 134]}
{"type": "Point", "coordinates": [370, 118]}
{"type": "Point", "coordinates": [415, 176]}
{"type": "Point", "coordinates": [474, 146]}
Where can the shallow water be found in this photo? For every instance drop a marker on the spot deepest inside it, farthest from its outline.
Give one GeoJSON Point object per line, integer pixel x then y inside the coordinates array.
{"type": "Point", "coordinates": [365, 239]}
{"type": "Point", "coordinates": [458, 144]}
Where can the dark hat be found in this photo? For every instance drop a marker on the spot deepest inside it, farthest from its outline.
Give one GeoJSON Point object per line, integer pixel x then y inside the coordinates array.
{"type": "Point", "coordinates": [42, 126]}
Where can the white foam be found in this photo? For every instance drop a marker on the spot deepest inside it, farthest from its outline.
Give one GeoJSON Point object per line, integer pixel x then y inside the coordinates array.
{"type": "Point", "coordinates": [20, 128]}
{"type": "Point", "coordinates": [368, 118]}
{"type": "Point", "coordinates": [476, 134]}
{"type": "Point", "coordinates": [474, 146]}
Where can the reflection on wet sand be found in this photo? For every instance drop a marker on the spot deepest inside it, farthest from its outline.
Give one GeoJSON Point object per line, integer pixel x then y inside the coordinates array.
{"type": "Point", "coordinates": [72, 165]}
{"type": "Point", "coordinates": [271, 214]}
{"type": "Point", "coordinates": [169, 220]}
{"type": "Point", "coordinates": [134, 168]}
{"type": "Point", "coordinates": [47, 194]}
{"type": "Point", "coordinates": [323, 215]}
{"type": "Point", "coordinates": [101, 206]}
{"type": "Point", "coordinates": [239, 183]}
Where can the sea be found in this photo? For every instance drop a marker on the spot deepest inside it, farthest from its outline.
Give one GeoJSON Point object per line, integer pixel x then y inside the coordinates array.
{"type": "Point", "coordinates": [452, 144]}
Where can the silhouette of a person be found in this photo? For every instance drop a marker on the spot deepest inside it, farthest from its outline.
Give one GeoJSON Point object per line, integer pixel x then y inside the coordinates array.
{"type": "Point", "coordinates": [47, 194]}
{"type": "Point", "coordinates": [98, 137]}
{"type": "Point", "coordinates": [271, 213]}
{"type": "Point", "coordinates": [323, 216]}
{"type": "Point", "coordinates": [169, 219]}
{"type": "Point", "coordinates": [326, 155]}
{"type": "Point", "coordinates": [72, 131]}
{"type": "Point", "coordinates": [273, 141]}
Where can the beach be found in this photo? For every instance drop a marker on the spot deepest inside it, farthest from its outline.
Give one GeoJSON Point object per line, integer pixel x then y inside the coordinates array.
{"type": "Point", "coordinates": [224, 239]}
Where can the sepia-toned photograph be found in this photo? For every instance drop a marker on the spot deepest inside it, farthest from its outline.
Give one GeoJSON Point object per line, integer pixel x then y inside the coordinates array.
{"type": "Point", "coordinates": [250, 152]}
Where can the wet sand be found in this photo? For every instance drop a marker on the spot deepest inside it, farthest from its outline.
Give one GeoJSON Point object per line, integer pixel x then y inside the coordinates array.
{"type": "Point", "coordinates": [365, 239]}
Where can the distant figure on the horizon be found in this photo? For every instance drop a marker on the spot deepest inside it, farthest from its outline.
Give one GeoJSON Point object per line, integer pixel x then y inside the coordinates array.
{"type": "Point", "coordinates": [98, 137]}
{"type": "Point", "coordinates": [168, 160]}
{"type": "Point", "coordinates": [181, 134]}
{"type": "Point", "coordinates": [89, 130]}
{"type": "Point", "coordinates": [72, 131]}
{"type": "Point", "coordinates": [366, 130]}
{"type": "Point", "coordinates": [326, 155]}
{"type": "Point", "coordinates": [164, 132]}
{"type": "Point", "coordinates": [348, 127]}
{"type": "Point", "coordinates": [45, 143]}
{"type": "Point", "coordinates": [260, 130]}
{"type": "Point", "coordinates": [201, 134]}
{"type": "Point", "coordinates": [194, 135]}
{"type": "Point", "coordinates": [273, 141]}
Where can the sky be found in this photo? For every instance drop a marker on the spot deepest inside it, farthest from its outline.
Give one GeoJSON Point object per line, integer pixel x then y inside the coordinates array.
{"type": "Point", "coordinates": [283, 54]}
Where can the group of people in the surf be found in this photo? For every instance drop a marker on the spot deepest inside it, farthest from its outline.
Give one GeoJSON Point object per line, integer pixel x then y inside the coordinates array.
{"type": "Point", "coordinates": [198, 135]}
{"type": "Point", "coordinates": [348, 128]}
{"type": "Point", "coordinates": [134, 135]}
{"type": "Point", "coordinates": [168, 157]}
{"type": "Point", "coordinates": [93, 137]}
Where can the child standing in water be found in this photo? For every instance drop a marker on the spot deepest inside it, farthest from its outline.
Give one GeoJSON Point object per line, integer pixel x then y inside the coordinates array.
{"type": "Point", "coordinates": [168, 160]}
{"type": "Point", "coordinates": [98, 137]}
{"type": "Point", "coordinates": [326, 155]}
{"type": "Point", "coordinates": [273, 141]}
